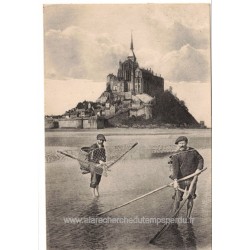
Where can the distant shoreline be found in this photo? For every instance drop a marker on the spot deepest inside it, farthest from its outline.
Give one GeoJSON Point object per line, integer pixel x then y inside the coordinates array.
{"type": "Point", "coordinates": [129, 131]}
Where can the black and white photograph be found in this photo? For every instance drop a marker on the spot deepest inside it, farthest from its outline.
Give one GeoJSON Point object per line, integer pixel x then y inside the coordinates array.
{"type": "Point", "coordinates": [128, 145]}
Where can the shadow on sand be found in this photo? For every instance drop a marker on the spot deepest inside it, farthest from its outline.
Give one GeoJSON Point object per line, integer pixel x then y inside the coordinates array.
{"type": "Point", "coordinates": [176, 239]}
{"type": "Point", "coordinates": [90, 235]}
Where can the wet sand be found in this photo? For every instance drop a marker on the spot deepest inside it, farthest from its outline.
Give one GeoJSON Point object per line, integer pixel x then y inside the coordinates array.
{"type": "Point", "coordinates": [144, 169]}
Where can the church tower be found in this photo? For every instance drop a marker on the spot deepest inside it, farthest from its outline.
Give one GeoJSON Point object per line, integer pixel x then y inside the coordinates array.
{"type": "Point", "coordinates": [133, 65]}
{"type": "Point", "coordinates": [131, 78]}
{"type": "Point", "coordinates": [132, 54]}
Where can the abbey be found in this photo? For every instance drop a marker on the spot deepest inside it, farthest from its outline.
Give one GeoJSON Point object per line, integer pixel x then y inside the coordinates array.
{"type": "Point", "coordinates": [134, 79]}
{"type": "Point", "coordinates": [133, 92]}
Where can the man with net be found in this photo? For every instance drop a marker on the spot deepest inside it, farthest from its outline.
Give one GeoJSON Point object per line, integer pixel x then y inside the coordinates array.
{"type": "Point", "coordinates": [97, 155]}
{"type": "Point", "coordinates": [185, 161]}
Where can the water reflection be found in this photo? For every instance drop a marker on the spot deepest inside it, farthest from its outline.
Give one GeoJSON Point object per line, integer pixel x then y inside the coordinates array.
{"type": "Point", "coordinates": [189, 237]}
{"type": "Point", "coordinates": [93, 234]}
{"type": "Point", "coordinates": [176, 238]}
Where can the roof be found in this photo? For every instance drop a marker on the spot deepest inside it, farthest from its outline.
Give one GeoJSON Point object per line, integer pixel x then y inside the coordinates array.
{"type": "Point", "coordinates": [149, 72]}
{"type": "Point", "coordinates": [138, 108]}
{"type": "Point", "coordinates": [146, 71]}
{"type": "Point", "coordinates": [145, 98]}
{"type": "Point", "coordinates": [135, 98]}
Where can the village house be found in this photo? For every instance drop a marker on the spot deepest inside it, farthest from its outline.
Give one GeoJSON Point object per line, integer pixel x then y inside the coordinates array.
{"type": "Point", "coordinates": [142, 106]}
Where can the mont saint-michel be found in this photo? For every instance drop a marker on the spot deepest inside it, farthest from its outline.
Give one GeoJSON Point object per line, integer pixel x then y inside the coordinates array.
{"type": "Point", "coordinates": [134, 97]}
{"type": "Point", "coordinates": [127, 93]}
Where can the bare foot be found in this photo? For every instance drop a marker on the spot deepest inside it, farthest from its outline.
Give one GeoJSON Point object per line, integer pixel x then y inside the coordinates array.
{"type": "Point", "coordinates": [93, 192]}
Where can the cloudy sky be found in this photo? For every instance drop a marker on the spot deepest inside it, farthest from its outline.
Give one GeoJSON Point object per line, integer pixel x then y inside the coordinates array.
{"type": "Point", "coordinates": [84, 43]}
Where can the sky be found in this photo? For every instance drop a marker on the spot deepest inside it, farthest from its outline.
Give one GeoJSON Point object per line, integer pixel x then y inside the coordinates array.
{"type": "Point", "coordinates": [84, 43]}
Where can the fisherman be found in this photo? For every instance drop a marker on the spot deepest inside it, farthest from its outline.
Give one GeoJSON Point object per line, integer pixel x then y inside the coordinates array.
{"type": "Point", "coordinates": [97, 154]}
{"type": "Point", "coordinates": [185, 161]}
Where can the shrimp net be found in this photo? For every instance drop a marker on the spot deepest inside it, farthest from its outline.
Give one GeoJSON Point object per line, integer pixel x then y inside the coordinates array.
{"type": "Point", "coordinates": [114, 154]}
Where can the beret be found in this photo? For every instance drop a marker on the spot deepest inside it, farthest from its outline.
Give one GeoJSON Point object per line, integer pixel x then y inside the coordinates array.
{"type": "Point", "coordinates": [101, 137]}
{"type": "Point", "coordinates": [181, 138]}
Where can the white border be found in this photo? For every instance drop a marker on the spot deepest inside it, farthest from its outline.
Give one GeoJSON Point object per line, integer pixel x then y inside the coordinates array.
{"type": "Point", "coordinates": [22, 123]}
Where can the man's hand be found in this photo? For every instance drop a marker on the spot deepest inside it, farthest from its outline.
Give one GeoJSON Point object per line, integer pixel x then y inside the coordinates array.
{"type": "Point", "coordinates": [176, 184]}
{"type": "Point", "coordinates": [105, 173]}
{"type": "Point", "coordinates": [104, 167]}
{"type": "Point", "coordinates": [197, 171]}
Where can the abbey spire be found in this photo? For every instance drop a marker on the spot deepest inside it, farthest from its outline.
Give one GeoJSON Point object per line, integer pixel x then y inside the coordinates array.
{"type": "Point", "coordinates": [131, 44]}
{"type": "Point", "coordinates": [133, 80]}
{"type": "Point", "coordinates": [132, 54]}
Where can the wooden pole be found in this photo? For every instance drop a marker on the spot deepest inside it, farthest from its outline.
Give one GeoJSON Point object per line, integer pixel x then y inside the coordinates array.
{"type": "Point", "coordinates": [154, 191]}
{"type": "Point", "coordinates": [166, 226]}
{"type": "Point", "coordinates": [70, 156]}
{"type": "Point", "coordinates": [109, 164]}
{"type": "Point", "coordinates": [122, 155]}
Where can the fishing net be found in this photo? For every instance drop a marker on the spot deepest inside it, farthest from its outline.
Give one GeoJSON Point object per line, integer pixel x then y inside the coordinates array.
{"type": "Point", "coordinates": [86, 166]}
{"type": "Point", "coordinates": [113, 153]}
{"type": "Point", "coordinates": [53, 156]}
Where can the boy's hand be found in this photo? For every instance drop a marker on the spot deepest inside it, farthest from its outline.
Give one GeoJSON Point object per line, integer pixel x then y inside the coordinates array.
{"type": "Point", "coordinates": [176, 184]}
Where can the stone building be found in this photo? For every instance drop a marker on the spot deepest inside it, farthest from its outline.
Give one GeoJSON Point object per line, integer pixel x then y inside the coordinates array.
{"type": "Point", "coordinates": [134, 79]}
{"type": "Point", "coordinates": [142, 106]}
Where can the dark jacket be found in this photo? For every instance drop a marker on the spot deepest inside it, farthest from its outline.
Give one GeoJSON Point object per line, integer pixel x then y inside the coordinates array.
{"type": "Point", "coordinates": [186, 162]}
{"type": "Point", "coordinates": [97, 154]}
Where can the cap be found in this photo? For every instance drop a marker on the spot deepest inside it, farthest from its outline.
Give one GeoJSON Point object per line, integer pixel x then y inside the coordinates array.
{"type": "Point", "coordinates": [181, 138]}
{"type": "Point", "coordinates": [101, 137]}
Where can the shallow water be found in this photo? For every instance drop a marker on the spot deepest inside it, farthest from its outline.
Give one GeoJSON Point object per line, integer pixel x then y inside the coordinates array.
{"type": "Point", "coordinates": [145, 168]}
